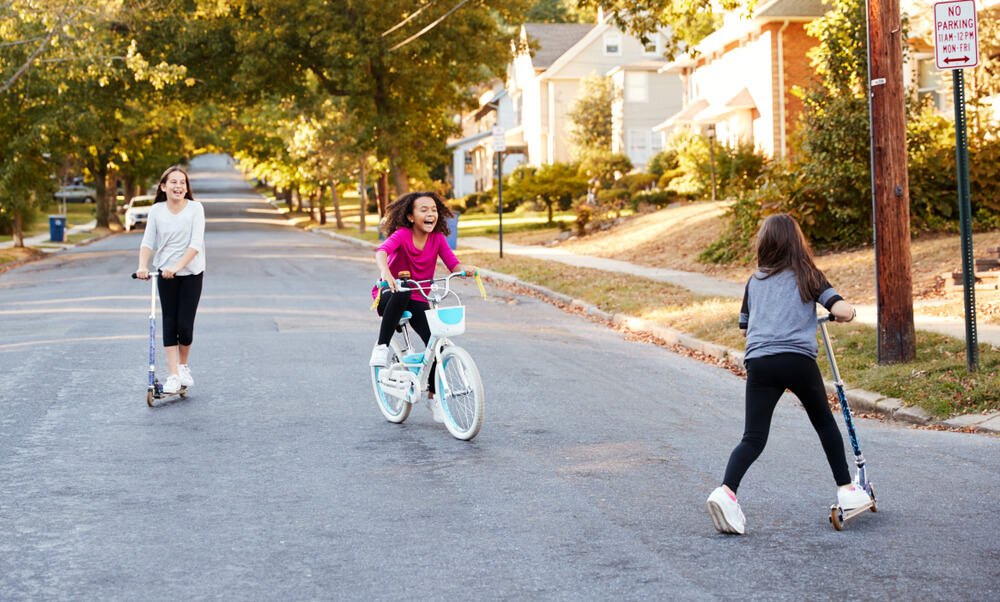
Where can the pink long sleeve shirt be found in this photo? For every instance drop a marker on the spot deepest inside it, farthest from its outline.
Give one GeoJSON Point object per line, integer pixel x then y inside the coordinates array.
{"type": "Point", "coordinates": [404, 256]}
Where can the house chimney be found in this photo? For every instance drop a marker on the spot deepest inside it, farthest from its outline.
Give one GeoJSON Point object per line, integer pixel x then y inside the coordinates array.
{"type": "Point", "coordinates": [600, 15]}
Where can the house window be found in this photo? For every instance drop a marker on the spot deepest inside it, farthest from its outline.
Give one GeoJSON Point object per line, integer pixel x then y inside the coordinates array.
{"type": "Point", "coordinates": [930, 83]}
{"type": "Point", "coordinates": [636, 86]}
{"type": "Point", "coordinates": [612, 44]}
{"type": "Point", "coordinates": [518, 109]}
{"type": "Point", "coordinates": [652, 47]}
{"type": "Point", "coordinates": [656, 144]}
{"type": "Point", "coordinates": [468, 163]}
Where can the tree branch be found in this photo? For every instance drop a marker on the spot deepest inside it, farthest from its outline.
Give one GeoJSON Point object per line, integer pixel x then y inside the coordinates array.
{"type": "Point", "coordinates": [48, 40]}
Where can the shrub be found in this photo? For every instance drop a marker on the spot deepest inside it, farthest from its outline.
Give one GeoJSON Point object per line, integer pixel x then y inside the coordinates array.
{"type": "Point", "coordinates": [604, 166]}
{"type": "Point", "coordinates": [652, 198]}
{"type": "Point", "coordinates": [662, 162]}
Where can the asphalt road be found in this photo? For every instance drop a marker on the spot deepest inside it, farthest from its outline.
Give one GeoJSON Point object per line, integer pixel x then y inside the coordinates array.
{"type": "Point", "coordinates": [278, 478]}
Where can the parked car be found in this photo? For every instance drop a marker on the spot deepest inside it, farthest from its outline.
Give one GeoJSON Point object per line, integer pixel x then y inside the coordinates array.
{"type": "Point", "coordinates": [137, 211]}
{"type": "Point", "coordinates": [76, 193]}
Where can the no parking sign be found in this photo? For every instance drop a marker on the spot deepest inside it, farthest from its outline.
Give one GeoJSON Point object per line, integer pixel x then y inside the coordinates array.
{"type": "Point", "coordinates": [956, 38]}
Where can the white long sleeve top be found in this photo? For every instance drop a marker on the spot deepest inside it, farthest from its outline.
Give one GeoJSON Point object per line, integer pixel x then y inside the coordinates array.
{"type": "Point", "coordinates": [172, 235]}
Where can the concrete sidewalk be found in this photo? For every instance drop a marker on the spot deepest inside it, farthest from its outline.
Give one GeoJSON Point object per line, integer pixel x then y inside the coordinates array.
{"type": "Point", "coordinates": [43, 239]}
{"type": "Point", "coordinates": [707, 285]}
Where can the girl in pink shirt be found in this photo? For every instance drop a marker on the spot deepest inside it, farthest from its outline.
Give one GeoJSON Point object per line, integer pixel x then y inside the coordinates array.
{"type": "Point", "coordinates": [415, 228]}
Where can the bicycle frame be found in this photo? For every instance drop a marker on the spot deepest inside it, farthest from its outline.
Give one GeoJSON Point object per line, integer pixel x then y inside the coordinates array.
{"type": "Point", "coordinates": [418, 366]}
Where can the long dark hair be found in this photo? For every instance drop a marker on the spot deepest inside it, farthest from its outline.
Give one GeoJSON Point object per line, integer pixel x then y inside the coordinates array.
{"type": "Point", "coordinates": [782, 246]}
{"type": "Point", "coordinates": [396, 213]}
{"type": "Point", "coordinates": [161, 195]}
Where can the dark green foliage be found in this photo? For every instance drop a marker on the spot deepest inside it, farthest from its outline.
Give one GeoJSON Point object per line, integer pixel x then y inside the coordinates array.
{"type": "Point", "coordinates": [555, 185]}
{"type": "Point", "coordinates": [605, 167]}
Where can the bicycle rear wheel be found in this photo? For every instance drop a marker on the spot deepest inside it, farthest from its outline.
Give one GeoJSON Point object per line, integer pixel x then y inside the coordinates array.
{"type": "Point", "coordinates": [460, 390]}
{"type": "Point", "coordinates": [393, 408]}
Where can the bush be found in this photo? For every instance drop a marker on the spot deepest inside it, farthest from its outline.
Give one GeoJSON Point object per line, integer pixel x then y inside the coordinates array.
{"type": "Point", "coordinates": [604, 166]}
{"type": "Point", "coordinates": [662, 162]}
{"type": "Point", "coordinates": [652, 198]}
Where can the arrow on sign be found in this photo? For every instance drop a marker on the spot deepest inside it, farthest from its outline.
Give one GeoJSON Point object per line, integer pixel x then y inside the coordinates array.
{"type": "Point", "coordinates": [964, 59]}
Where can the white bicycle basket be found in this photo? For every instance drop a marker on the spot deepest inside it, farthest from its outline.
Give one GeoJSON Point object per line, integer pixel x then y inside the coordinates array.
{"type": "Point", "coordinates": [446, 321]}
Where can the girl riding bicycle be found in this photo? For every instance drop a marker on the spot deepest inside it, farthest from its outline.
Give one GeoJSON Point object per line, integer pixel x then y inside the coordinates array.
{"type": "Point", "coordinates": [415, 231]}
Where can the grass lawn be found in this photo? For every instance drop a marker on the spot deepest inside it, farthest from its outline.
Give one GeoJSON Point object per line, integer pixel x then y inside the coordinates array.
{"type": "Point", "coordinates": [77, 214]}
{"type": "Point", "coordinates": [937, 381]}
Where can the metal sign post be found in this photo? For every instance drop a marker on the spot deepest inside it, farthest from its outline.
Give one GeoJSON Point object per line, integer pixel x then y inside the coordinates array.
{"type": "Point", "coordinates": [956, 46]}
{"type": "Point", "coordinates": [499, 146]}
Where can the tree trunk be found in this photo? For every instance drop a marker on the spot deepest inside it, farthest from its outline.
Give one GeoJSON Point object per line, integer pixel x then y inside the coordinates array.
{"type": "Point", "coordinates": [890, 189]}
{"type": "Point", "coordinates": [100, 171]}
{"type": "Point", "coordinates": [321, 218]}
{"type": "Point", "coordinates": [128, 188]}
{"type": "Point", "coordinates": [18, 232]}
{"type": "Point", "coordinates": [383, 193]}
{"type": "Point", "coordinates": [336, 205]}
{"type": "Point", "coordinates": [399, 175]}
{"type": "Point", "coordinates": [364, 196]}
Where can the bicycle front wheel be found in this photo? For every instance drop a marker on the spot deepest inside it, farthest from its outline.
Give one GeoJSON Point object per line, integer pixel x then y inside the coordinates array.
{"type": "Point", "coordinates": [393, 408]}
{"type": "Point", "coordinates": [460, 390]}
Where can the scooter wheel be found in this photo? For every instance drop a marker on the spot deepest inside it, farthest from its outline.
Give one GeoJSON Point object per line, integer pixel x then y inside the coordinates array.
{"type": "Point", "coordinates": [837, 518]}
{"type": "Point", "coordinates": [871, 492]}
{"type": "Point", "coordinates": [149, 398]}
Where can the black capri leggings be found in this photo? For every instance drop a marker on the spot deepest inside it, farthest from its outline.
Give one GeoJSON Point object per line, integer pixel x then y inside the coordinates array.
{"type": "Point", "coordinates": [767, 379]}
{"type": "Point", "coordinates": [179, 298]}
{"type": "Point", "coordinates": [391, 307]}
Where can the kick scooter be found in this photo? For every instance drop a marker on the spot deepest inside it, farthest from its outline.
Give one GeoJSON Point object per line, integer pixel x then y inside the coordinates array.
{"type": "Point", "coordinates": [155, 389]}
{"type": "Point", "coordinates": [837, 516]}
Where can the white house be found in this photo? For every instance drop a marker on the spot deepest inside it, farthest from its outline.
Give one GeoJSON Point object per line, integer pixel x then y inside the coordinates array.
{"type": "Point", "coordinates": [542, 87]}
{"type": "Point", "coordinates": [473, 165]}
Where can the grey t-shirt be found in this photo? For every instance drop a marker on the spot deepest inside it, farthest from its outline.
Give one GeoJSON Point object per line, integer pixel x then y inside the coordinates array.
{"type": "Point", "coordinates": [172, 235]}
{"type": "Point", "coordinates": [776, 319]}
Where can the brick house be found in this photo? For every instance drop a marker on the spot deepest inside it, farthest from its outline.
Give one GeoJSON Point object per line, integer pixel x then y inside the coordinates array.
{"type": "Point", "coordinates": [741, 78]}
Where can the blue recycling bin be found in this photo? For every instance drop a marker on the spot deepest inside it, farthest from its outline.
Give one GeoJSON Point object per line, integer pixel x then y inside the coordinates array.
{"type": "Point", "coordinates": [453, 227]}
{"type": "Point", "coordinates": [57, 228]}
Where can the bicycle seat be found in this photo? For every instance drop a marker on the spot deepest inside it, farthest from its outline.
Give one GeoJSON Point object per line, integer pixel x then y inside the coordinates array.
{"type": "Point", "coordinates": [402, 321]}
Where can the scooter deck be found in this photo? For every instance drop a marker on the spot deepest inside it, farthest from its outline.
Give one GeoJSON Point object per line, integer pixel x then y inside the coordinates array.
{"type": "Point", "coordinates": [151, 396]}
{"type": "Point", "coordinates": [838, 518]}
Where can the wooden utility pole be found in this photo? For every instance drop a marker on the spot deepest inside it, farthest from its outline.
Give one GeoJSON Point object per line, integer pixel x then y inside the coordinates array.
{"type": "Point", "coordinates": [890, 188]}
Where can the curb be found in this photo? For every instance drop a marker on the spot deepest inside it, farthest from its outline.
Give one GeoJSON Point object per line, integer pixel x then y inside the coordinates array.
{"type": "Point", "coordinates": [16, 264]}
{"type": "Point", "coordinates": [860, 400]}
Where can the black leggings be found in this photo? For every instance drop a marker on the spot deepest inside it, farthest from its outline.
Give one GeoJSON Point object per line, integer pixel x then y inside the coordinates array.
{"type": "Point", "coordinates": [179, 298]}
{"type": "Point", "coordinates": [391, 307]}
{"type": "Point", "coordinates": [767, 379]}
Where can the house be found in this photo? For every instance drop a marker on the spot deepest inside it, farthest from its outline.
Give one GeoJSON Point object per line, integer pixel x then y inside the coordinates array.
{"type": "Point", "coordinates": [740, 80]}
{"type": "Point", "coordinates": [542, 87]}
{"type": "Point", "coordinates": [643, 95]}
{"type": "Point", "coordinates": [473, 166]}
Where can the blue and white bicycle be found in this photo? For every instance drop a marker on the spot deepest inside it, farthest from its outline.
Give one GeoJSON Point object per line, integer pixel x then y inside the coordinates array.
{"type": "Point", "coordinates": [456, 379]}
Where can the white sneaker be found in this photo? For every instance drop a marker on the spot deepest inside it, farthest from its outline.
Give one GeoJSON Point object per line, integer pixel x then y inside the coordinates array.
{"type": "Point", "coordinates": [727, 516]}
{"type": "Point", "coordinates": [185, 374]}
{"type": "Point", "coordinates": [380, 356]}
{"type": "Point", "coordinates": [173, 384]}
{"type": "Point", "coordinates": [435, 407]}
{"type": "Point", "coordinates": [851, 497]}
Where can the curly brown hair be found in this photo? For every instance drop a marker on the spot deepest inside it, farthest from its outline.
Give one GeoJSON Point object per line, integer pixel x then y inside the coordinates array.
{"type": "Point", "coordinates": [397, 212]}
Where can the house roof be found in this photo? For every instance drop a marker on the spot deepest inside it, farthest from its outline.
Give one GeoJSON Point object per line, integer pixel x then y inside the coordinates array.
{"type": "Point", "coordinates": [554, 40]}
{"type": "Point", "coordinates": [686, 115]}
{"type": "Point", "coordinates": [792, 8]}
{"type": "Point", "coordinates": [772, 10]}
{"type": "Point", "coordinates": [742, 100]}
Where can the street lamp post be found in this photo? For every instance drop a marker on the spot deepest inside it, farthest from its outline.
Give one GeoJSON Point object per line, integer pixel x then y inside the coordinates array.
{"type": "Point", "coordinates": [711, 154]}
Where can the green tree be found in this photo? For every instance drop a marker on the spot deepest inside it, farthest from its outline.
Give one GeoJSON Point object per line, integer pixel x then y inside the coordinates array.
{"type": "Point", "coordinates": [399, 85]}
{"type": "Point", "coordinates": [559, 11]}
{"type": "Point", "coordinates": [590, 117]}
{"type": "Point", "coordinates": [554, 185]}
